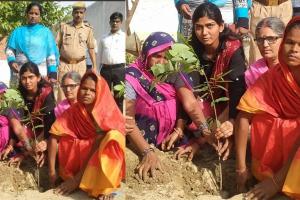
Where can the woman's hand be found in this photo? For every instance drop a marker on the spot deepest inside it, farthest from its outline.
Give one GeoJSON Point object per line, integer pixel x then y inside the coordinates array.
{"type": "Point", "coordinates": [41, 146]}
{"type": "Point", "coordinates": [186, 11]}
{"type": "Point", "coordinates": [16, 160]}
{"type": "Point", "coordinates": [150, 162]}
{"type": "Point", "coordinates": [224, 147]}
{"type": "Point", "coordinates": [40, 158]}
{"type": "Point", "coordinates": [6, 151]}
{"type": "Point", "coordinates": [225, 130]}
{"type": "Point", "coordinates": [169, 141]}
{"type": "Point", "coordinates": [190, 150]}
{"type": "Point", "coordinates": [241, 178]}
{"type": "Point", "coordinates": [52, 178]}
{"type": "Point", "coordinates": [14, 67]}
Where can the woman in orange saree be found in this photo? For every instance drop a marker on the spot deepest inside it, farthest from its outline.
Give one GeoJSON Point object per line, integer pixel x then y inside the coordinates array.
{"type": "Point", "coordinates": [91, 142]}
{"type": "Point", "coordinates": [272, 106]}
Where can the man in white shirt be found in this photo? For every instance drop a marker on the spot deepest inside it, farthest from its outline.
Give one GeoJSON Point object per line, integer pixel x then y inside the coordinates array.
{"type": "Point", "coordinates": [112, 54]}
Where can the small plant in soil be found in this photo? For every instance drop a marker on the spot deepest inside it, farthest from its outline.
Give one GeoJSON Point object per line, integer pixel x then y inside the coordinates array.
{"type": "Point", "coordinates": [182, 59]}
{"type": "Point", "coordinates": [13, 99]}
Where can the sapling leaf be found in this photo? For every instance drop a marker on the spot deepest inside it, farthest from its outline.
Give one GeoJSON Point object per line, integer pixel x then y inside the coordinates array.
{"type": "Point", "coordinates": [221, 99]}
{"type": "Point", "coordinates": [202, 89]}
{"type": "Point", "coordinates": [39, 126]}
{"type": "Point", "coordinates": [221, 87]}
{"type": "Point", "coordinates": [118, 87]}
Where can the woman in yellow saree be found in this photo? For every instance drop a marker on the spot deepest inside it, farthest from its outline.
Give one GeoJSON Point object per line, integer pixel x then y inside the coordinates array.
{"type": "Point", "coordinates": [272, 106]}
{"type": "Point", "coordinates": [91, 142]}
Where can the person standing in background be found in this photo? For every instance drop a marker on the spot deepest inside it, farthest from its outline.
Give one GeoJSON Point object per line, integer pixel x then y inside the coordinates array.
{"type": "Point", "coordinates": [73, 39]}
{"type": "Point", "coordinates": [32, 42]}
{"type": "Point", "coordinates": [112, 55]}
{"type": "Point", "coordinates": [186, 9]}
{"type": "Point", "coordinates": [296, 7]}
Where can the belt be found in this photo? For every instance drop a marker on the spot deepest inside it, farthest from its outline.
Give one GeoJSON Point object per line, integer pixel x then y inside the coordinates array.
{"type": "Point", "coordinates": [71, 61]}
{"type": "Point", "coordinates": [113, 65]}
{"type": "Point", "coordinates": [271, 2]}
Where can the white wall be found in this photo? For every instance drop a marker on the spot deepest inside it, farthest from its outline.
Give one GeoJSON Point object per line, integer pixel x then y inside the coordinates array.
{"type": "Point", "coordinates": [5, 72]}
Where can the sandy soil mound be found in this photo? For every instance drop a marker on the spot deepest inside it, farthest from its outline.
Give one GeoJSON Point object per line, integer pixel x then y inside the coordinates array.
{"type": "Point", "coordinates": [20, 184]}
{"type": "Point", "coordinates": [183, 180]}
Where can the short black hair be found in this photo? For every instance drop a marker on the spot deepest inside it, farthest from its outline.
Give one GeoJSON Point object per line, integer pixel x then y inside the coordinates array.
{"type": "Point", "coordinates": [32, 4]}
{"type": "Point", "coordinates": [116, 15]}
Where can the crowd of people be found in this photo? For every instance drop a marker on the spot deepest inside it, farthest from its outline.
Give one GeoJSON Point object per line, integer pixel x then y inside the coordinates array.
{"type": "Point", "coordinates": [87, 139]}
{"type": "Point", "coordinates": [81, 133]}
{"type": "Point", "coordinates": [262, 95]}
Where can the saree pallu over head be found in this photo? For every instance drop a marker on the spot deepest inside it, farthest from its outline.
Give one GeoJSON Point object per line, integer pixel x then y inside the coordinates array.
{"type": "Point", "coordinates": [156, 108]}
{"type": "Point", "coordinates": [275, 102]}
{"type": "Point", "coordinates": [78, 131]}
{"type": "Point", "coordinates": [4, 132]}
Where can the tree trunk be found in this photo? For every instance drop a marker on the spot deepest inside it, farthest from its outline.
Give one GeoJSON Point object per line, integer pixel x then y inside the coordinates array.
{"type": "Point", "coordinates": [130, 13]}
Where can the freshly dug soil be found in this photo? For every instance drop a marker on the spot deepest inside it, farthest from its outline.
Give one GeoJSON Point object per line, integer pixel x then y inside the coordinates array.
{"type": "Point", "coordinates": [181, 179]}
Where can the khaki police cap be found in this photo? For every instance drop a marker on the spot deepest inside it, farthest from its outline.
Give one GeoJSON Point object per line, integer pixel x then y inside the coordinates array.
{"type": "Point", "coordinates": [79, 4]}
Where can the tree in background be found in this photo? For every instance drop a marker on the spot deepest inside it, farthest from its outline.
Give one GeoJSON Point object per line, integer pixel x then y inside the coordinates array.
{"type": "Point", "coordinates": [12, 15]}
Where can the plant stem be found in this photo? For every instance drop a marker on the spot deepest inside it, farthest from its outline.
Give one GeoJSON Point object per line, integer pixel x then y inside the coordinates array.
{"type": "Point", "coordinates": [217, 123]}
{"type": "Point", "coordinates": [214, 108]}
{"type": "Point", "coordinates": [37, 172]}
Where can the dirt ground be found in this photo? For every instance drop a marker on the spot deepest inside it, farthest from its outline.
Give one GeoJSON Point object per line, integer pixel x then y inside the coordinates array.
{"type": "Point", "coordinates": [181, 180]}
{"type": "Point", "coordinates": [198, 179]}
{"type": "Point", "coordinates": [20, 184]}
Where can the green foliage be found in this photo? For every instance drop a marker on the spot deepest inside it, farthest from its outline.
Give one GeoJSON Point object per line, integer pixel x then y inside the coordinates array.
{"type": "Point", "coordinates": [11, 99]}
{"type": "Point", "coordinates": [130, 58]}
{"type": "Point", "coordinates": [120, 89]}
{"type": "Point", "coordinates": [182, 58]}
{"type": "Point", "coordinates": [13, 15]}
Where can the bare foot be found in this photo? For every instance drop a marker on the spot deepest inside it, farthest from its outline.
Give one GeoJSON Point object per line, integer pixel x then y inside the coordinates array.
{"type": "Point", "coordinates": [263, 190]}
{"type": "Point", "coordinates": [67, 186]}
{"type": "Point", "coordinates": [106, 197]}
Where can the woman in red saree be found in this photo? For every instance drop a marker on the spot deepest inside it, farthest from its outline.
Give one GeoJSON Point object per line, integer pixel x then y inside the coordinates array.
{"type": "Point", "coordinates": [91, 142]}
{"type": "Point", "coordinates": [272, 106]}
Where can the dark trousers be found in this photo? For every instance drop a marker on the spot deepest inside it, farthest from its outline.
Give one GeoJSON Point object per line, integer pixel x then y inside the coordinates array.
{"type": "Point", "coordinates": [88, 67]}
{"type": "Point", "coordinates": [113, 75]}
{"type": "Point", "coordinates": [296, 11]}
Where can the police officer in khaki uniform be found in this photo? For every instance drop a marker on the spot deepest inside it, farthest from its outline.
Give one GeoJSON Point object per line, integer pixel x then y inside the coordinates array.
{"type": "Point", "coordinates": [72, 40]}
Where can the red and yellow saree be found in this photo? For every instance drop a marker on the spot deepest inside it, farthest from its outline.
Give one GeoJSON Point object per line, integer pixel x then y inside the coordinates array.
{"type": "Point", "coordinates": [77, 131]}
{"type": "Point", "coordinates": [275, 102]}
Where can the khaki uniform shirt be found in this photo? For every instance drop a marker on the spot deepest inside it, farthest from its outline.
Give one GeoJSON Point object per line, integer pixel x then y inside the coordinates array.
{"type": "Point", "coordinates": [73, 41]}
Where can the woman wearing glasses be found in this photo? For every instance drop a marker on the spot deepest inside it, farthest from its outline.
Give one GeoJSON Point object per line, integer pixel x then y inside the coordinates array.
{"type": "Point", "coordinates": [70, 82]}
{"type": "Point", "coordinates": [268, 34]}
{"type": "Point", "coordinates": [272, 107]}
